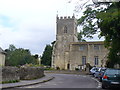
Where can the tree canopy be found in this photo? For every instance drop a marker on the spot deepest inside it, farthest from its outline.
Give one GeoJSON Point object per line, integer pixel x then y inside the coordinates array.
{"type": "Point", "coordinates": [20, 56]}
{"type": "Point", "coordinates": [104, 20]}
{"type": "Point", "coordinates": [47, 56]}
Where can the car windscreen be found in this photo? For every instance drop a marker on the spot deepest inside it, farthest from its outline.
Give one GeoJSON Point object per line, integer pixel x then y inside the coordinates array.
{"type": "Point", "coordinates": [102, 70]}
{"type": "Point", "coordinates": [112, 71]}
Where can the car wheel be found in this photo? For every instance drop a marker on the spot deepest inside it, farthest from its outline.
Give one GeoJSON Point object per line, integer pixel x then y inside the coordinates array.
{"type": "Point", "coordinates": [94, 75]}
{"type": "Point", "coordinates": [104, 86]}
{"type": "Point", "coordinates": [100, 80]}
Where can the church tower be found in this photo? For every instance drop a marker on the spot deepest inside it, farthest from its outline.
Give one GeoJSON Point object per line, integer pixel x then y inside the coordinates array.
{"type": "Point", "coordinates": [66, 32]}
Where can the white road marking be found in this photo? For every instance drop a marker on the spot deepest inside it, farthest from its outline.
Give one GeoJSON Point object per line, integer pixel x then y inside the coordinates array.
{"type": "Point", "coordinates": [60, 82]}
{"type": "Point", "coordinates": [84, 76]}
{"type": "Point", "coordinates": [99, 84]}
{"type": "Point", "coordinates": [54, 84]}
{"type": "Point", "coordinates": [75, 75]}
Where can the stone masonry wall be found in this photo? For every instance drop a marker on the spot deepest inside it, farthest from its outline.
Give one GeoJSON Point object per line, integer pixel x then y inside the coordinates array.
{"type": "Point", "coordinates": [10, 73]}
{"type": "Point", "coordinates": [26, 73]}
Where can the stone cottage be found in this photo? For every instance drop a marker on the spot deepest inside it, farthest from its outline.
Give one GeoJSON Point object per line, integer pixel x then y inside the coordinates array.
{"type": "Point", "coordinates": [69, 53]}
{"type": "Point", "coordinates": [2, 57]}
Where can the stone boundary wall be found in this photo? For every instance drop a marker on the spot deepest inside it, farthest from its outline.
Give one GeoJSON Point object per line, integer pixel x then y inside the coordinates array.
{"type": "Point", "coordinates": [23, 73]}
{"type": "Point", "coordinates": [27, 73]}
{"type": "Point", "coordinates": [10, 73]}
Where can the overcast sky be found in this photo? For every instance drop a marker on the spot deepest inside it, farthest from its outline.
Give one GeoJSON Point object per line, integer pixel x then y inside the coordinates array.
{"type": "Point", "coordinates": [31, 24]}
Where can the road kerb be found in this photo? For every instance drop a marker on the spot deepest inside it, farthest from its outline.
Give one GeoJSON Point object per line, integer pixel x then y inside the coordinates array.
{"type": "Point", "coordinates": [50, 78]}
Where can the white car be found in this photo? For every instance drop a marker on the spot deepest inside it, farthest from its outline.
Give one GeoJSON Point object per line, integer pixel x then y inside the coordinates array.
{"type": "Point", "coordinates": [96, 73]}
{"type": "Point", "coordinates": [93, 70]}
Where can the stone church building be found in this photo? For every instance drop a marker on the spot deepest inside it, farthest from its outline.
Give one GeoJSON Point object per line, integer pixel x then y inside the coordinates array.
{"type": "Point", "coordinates": [69, 53]}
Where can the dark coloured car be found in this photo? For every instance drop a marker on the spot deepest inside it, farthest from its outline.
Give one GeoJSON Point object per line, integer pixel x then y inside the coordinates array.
{"type": "Point", "coordinates": [111, 78]}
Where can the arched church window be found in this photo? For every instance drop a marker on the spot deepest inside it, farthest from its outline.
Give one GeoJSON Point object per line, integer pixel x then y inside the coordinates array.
{"type": "Point", "coordinates": [76, 28]}
{"type": "Point", "coordinates": [65, 29]}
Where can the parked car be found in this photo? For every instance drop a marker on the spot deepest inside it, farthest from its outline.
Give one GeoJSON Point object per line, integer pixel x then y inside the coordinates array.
{"type": "Point", "coordinates": [101, 73]}
{"type": "Point", "coordinates": [96, 73]}
{"type": "Point", "coordinates": [111, 78]}
{"type": "Point", "coordinates": [93, 70]}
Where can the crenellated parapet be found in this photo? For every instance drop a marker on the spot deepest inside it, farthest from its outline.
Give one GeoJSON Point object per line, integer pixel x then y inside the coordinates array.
{"type": "Point", "coordinates": [65, 17]}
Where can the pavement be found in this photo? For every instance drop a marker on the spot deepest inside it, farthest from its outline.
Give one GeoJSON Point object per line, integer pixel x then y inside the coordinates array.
{"type": "Point", "coordinates": [27, 82]}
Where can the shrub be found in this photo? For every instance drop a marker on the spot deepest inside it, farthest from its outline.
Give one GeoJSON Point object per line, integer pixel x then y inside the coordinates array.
{"type": "Point", "coordinates": [11, 81]}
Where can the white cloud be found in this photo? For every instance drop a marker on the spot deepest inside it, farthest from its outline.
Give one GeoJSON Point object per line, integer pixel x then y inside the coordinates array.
{"type": "Point", "coordinates": [33, 22]}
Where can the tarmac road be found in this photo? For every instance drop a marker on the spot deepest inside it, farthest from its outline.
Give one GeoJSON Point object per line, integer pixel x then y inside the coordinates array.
{"type": "Point", "coordinates": [68, 81]}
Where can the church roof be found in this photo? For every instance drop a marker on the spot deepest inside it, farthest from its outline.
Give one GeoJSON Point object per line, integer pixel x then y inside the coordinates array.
{"type": "Point", "coordinates": [90, 42]}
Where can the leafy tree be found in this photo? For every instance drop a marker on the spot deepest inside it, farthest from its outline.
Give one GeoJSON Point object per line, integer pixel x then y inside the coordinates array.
{"type": "Point", "coordinates": [19, 56]}
{"type": "Point", "coordinates": [53, 43]}
{"type": "Point", "coordinates": [47, 55]}
{"type": "Point", "coordinates": [36, 57]}
{"type": "Point", "coordinates": [106, 21]}
{"type": "Point", "coordinates": [80, 37]}
{"type": "Point", "coordinates": [12, 47]}
{"type": "Point", "coordinates": [109, 23]}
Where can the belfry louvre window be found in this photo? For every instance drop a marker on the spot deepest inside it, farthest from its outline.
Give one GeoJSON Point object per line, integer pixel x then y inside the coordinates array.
{"type": "Point", "coordinates": [83, 60]}
{"type": "Point", "coordinates": [96, 60]}
{"type": "Point", "coordinates": [65, 29]}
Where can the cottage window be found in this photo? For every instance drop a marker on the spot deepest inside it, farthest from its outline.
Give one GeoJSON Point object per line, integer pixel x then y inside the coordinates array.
{"type": "Point", "coordinates": [83, 60]}
{"type": "Point", "coordinates": [96, 47]}
{"type": "Point", "coordinates": [82, 47]}
{"type": "Point", "coordinates": [96, 60]}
